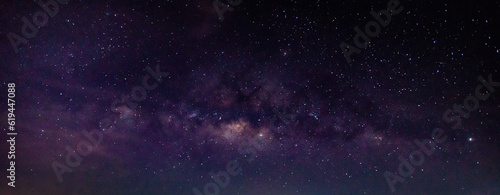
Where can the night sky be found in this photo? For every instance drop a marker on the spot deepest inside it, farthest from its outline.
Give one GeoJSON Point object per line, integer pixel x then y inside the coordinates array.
{"type": "Point", "coordinates": [273, 98]}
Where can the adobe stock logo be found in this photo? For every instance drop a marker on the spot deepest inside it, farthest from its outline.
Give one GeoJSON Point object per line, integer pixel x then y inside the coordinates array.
{"type": "Point", "coordinates": [40, 19]}
{"type": "Point", "coordinates": [417, 158]}
{"type": "Point", "coordinates": [95, 137]}
{"type": "Point", "coordinates": [372, 29]}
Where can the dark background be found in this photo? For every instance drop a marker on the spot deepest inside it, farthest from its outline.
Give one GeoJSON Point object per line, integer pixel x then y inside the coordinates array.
{"type": "Point", "coordinates": [350, 121]}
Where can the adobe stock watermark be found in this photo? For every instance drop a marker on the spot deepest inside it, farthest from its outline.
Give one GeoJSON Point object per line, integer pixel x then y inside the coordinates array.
{"type": "Point", "coordinates": [220, 7]}
{"type": "Point", "coordinates": [438, 136]}
{"type": "Point", "coordinates": [233, 168]}
{"type": "Point", "coordinates": [29, 29]}
{"type": "Point", "coordinates": [223, 178]}
{"type": "Point", "coordinates": [249, 147]}
{"type": "Point", "coordinates": [285, 117]}
{"type": "Point", "coordinates": [74, 158]}
{"type": "Point", "coordinates": [372, 29]}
